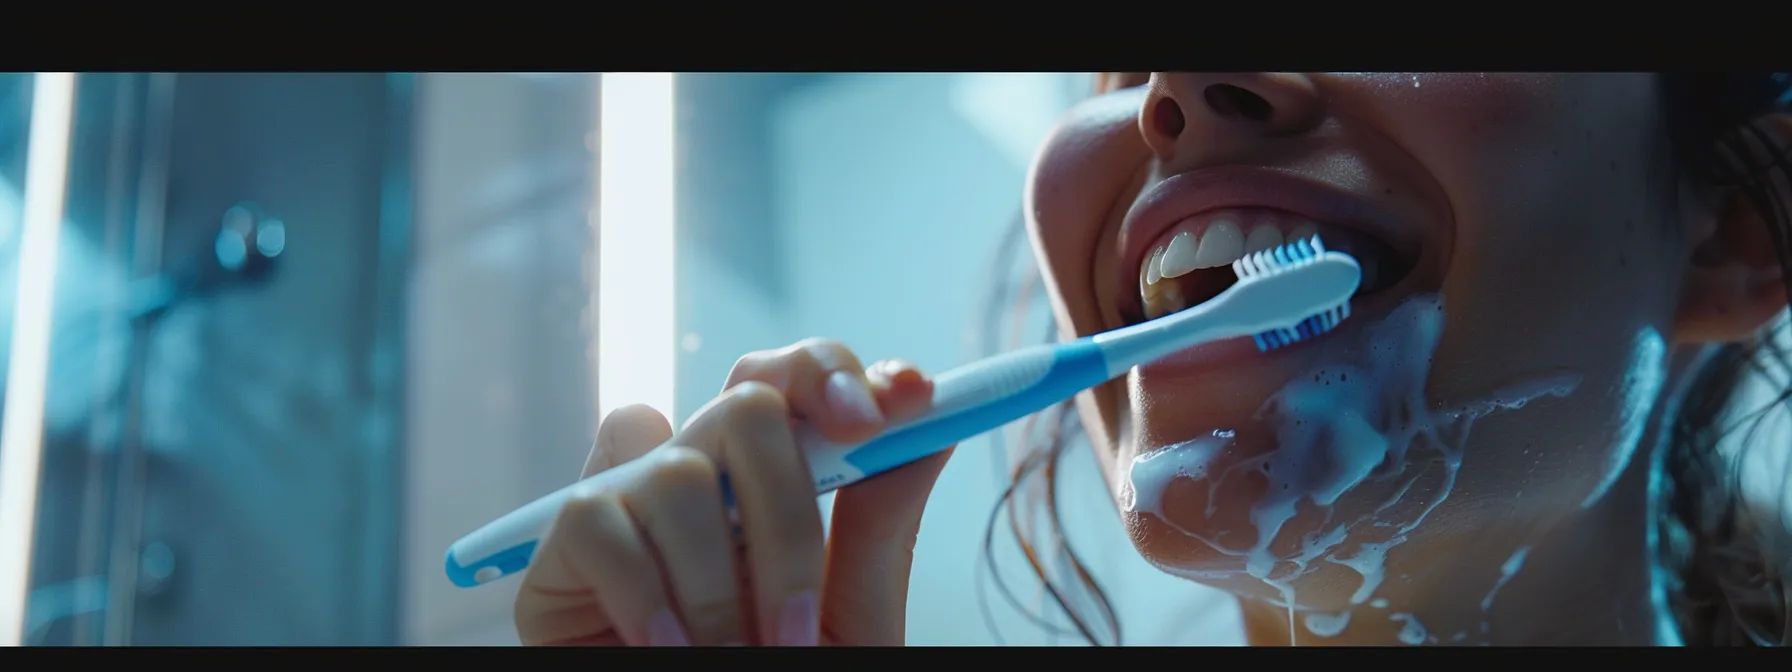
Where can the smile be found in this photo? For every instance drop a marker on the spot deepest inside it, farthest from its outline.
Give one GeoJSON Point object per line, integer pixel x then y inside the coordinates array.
{"type": "Point", "coordinates": [1182, 236]}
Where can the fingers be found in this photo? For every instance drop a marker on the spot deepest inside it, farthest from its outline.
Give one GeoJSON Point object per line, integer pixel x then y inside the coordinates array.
{"type": "Point", "coordinates": [824, 384]}
{"type": "Point", "coordinates": [595, 577]}
{"type": "Point", "coordinates": [871, 552]}
{"type": "Point", "coordinates": [679, 503]}
{"type": "Point", "coordinates": [902, 390]}
{"type": "Point", "coordinates": [643, 554]}
{"type": "Point", "coordinates": [627, 433]}
{"type": "Point", "coordinates": [875, 523]}
{"type": "Point", "coordinates": [775, 496]}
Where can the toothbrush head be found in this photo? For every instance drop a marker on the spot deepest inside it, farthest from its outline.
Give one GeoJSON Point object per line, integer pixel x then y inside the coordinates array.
{"type": "Point", "coordinates": [1333, 274]}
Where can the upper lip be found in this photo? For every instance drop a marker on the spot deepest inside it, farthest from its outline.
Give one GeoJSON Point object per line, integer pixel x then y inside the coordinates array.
{"type": "Point", "coordinates": [1198, 191]}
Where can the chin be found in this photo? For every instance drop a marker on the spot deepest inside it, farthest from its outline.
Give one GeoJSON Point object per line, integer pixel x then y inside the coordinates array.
{"type": "Point", "coordinates": [1227, 521]}
{"type": "Point", "coordinates": [1292, 476]}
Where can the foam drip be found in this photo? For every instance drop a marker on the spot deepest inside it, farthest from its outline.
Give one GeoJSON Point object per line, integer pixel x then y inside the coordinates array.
{"type": "Point", "coordinates": [1362, 420]}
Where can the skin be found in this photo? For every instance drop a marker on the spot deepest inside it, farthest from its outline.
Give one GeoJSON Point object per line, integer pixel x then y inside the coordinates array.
{"type": "Point", "coordinates": [645, 557]}
{"type": "Point", "coordinates": [1540, 195]}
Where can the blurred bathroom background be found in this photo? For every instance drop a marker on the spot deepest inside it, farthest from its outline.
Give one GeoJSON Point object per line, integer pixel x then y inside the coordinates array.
{"type": "Point", "coordinates": [308, 329]}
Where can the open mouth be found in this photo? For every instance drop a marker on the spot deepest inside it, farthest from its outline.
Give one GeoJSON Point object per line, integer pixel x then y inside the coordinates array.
{"type": "Point", "coordinates": [1192, 261]}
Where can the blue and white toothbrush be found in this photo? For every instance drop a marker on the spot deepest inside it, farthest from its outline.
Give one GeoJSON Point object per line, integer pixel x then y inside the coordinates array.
{"type": "Point", "coordinates": [1284, 295]}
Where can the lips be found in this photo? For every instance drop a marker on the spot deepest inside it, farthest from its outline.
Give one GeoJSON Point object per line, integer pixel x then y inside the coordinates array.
{"type": "Point", "coordinates": [1185, 205]}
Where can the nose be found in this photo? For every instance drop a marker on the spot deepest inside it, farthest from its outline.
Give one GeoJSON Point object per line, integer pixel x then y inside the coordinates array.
{"type": "Point", "coordinates": [1185, 108]}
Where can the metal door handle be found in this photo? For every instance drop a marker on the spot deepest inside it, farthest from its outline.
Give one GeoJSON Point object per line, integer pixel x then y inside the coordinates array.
{"type": "Point", "coordinates": [54, 603]}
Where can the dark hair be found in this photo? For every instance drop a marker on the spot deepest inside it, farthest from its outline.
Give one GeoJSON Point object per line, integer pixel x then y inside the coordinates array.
{"type": "Point", "coordinates": [1729, 585]}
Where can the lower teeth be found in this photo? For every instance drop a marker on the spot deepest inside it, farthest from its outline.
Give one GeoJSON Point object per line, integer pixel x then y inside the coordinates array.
{"type": "Point", "coordinates": [1168, 300]}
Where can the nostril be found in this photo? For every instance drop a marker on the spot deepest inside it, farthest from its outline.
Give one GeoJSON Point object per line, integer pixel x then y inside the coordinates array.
{"type": "Point", "coordinates": [1228, 100]}
{"type": "Point", "coordinates": [1167, 116]}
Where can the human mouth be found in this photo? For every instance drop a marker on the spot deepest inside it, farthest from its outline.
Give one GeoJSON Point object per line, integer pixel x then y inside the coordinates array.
{"type": "Point", "coordinates": [1183, 235]}
{"type": "Point", "coordinates": [1192, 262]}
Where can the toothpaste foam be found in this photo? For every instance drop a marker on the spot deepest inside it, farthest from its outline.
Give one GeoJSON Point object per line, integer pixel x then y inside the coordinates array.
{"type": "Point", "coordinates": [1345, 424]}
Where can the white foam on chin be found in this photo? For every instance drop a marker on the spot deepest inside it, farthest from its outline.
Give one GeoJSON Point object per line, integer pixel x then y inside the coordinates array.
{"type": "Point", "coordinates": [1334, 426]}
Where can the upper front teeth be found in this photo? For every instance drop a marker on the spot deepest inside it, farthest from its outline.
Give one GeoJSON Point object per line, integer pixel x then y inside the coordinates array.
{"type": "Point", "coordinates": [1222, 242]}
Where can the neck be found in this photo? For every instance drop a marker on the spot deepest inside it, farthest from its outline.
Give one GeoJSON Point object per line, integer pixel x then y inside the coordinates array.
{"type": "Point", "coordinates": [1585, 579]}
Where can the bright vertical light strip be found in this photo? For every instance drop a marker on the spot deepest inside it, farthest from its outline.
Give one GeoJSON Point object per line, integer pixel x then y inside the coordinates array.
{"type": "Point", "coordinates": [636, 336]}
{"type": "Point", "coordinates": [21, 435]}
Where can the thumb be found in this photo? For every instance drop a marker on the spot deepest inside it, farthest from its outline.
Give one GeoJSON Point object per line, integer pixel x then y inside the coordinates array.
{"type": "Point", "coordinates": [627, 433]}
{"type": "Point", "coordinates": [872, 537]}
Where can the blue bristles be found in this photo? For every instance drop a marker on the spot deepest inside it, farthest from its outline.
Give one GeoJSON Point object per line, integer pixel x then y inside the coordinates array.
{"type": "Point", "coordinates": [1277, 260]}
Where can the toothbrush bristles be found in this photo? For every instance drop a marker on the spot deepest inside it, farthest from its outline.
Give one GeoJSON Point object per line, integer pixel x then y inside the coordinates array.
{"type": "Point", "coordinates": [1278, 259]}
{"type": "Point", "coordinates": [1306, 329]}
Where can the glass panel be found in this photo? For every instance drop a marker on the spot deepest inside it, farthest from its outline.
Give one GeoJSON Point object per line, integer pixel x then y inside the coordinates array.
{"type": "Point", "coordinates": [221, 460]}
{"type": "Point", "coordinates": [501, 395]}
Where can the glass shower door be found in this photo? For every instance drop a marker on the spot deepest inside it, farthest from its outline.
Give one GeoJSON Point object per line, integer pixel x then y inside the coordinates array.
{"type": "Point", "coordinates": [221, 449]}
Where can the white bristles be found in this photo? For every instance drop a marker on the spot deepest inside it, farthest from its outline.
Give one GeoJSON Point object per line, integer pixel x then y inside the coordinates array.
{"type": "Point", "coordinates": [1279, 259]}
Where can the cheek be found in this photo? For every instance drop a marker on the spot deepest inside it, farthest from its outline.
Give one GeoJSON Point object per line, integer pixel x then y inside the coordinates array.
{"type": "Point", "coordinates": [1493, 140]}
{"type": "Point", "coordinates": [1081, 182]}
{"type": "Point", "coordinates": [1563, 246]}
{"type": "Point", "coordinates": [1556, 456]}
{"type": "Point", "coordinates": [1490, 109]}
{"type": "Point", "coordinates": [1563, 261]}
{"type": "Point", "coordinates": [1077, 192]}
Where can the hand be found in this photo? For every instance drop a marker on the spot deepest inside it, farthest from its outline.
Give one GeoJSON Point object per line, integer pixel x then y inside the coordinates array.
{"type": "Point", "coordinates": [645, 555]}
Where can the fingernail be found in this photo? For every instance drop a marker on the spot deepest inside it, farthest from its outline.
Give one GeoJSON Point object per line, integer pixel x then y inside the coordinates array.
{"type": "Point", "coordinates": [663, 630]}
{"type": "Point", "coordinates": [899, 371]}
{"type": "Point", "coordinates": [849, 397]}
{"type": "Point", "coordinates": [887, 369]}
{"type": "Point", "coordinates": [800, 624]}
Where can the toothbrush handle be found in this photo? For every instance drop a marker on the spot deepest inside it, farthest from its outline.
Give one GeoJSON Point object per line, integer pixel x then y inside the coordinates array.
{"type": "Point", "coordinates": [967, 402]}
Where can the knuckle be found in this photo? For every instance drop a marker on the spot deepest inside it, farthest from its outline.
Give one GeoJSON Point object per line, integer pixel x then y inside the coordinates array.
{"type": "Point", "coordinates": [807, 357]}
{"type": "Point", "coordinates": [756, 399]}
{"type": "Point", "coordinates": [682, 470]}
{"type": "Point", "coordinates": [629, 415]}
{"type": "Point", "coordinates": [748, 364]}
{"type": "Point", "coordinates": [827, 353]}
{"type": "Point", "coordinates": [584, 504]}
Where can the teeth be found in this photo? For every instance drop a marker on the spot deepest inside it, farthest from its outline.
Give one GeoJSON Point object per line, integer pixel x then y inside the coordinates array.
{"type": "Point", "coordinates": [1180, 257]}
{"type": "Point", "coordinates": [1165, 298]}
{"type": "Point", "coordinates": [1262, 238]}
{"type": "Point", "coordinates": [1147, 279]}
{"type": "Point", "coordinates": [1222, 242]}
{"type": "Point", "coordinates": [1303, 231]}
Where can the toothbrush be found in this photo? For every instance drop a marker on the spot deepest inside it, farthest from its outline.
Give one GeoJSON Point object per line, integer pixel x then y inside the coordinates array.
{"type": "Point", "coordinates": [1283, 296]}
